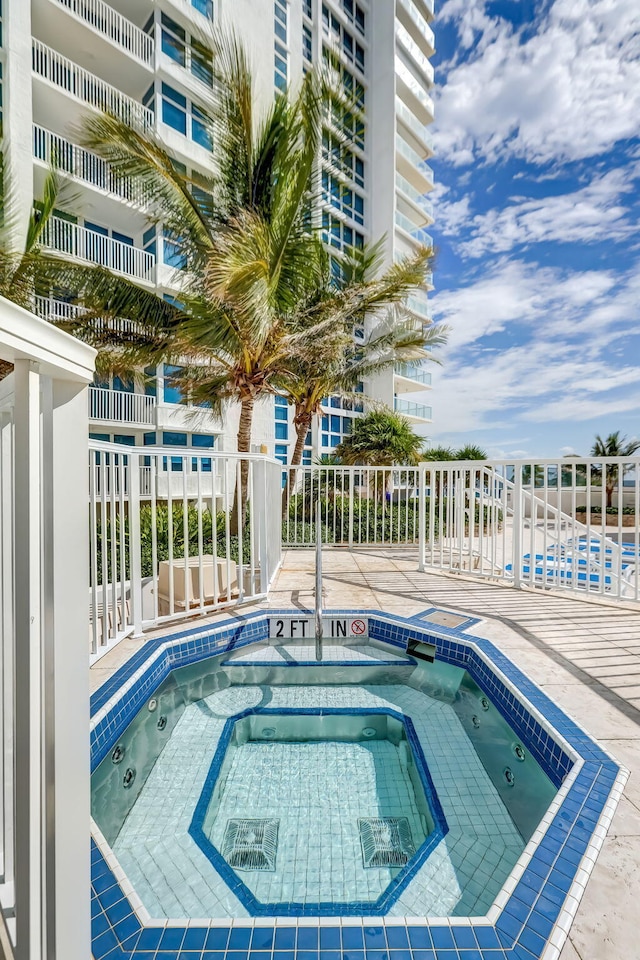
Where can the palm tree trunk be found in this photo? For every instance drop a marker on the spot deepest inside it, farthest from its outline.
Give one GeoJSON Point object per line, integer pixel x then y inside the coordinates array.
{"type": "Point", "coordinates": [239, 511]}
{"type": "Point", "coordinates": [302, 423]}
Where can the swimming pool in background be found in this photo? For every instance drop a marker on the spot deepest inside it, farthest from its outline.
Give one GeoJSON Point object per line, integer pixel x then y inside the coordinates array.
{"type": "Point", "coordinates": [236, 778]}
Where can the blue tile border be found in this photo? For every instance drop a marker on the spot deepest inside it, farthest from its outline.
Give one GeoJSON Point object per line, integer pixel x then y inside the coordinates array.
{"type": "Point", "coordinates": [529, 915]}
{"type": "Point", "coordinates": [358, 909]}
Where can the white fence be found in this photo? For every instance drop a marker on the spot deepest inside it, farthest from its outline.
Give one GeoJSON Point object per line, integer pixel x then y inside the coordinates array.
{"type": "Point", "coordinates": [359, 506]}
{"type": "Point", "coordinates": [44, 688]}
{"type": "Point", "coordinates": [165, 541]}
{"type": "Point", "coordinates": [571, 524]}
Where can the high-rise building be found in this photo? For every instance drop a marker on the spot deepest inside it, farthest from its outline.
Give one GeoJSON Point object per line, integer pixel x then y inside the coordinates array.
{"type": "Point", "coordinates": [61, 60]}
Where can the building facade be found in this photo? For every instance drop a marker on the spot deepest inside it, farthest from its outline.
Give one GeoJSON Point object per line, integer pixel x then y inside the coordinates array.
{"type": "Point", "coordinates": [62, 60]}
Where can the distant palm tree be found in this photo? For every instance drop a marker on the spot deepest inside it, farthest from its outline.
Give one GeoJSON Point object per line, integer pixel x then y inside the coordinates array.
{"type": "Point", "coordinates": [613, 446]}
{"type": "Point", "coordinates": [382, 437]}
{"type": "Point", "coordinates": [471, 451]}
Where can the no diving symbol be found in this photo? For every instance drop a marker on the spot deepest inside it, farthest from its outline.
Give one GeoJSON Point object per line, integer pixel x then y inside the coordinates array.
{"type": "Point", "coordinates": [358, 627]}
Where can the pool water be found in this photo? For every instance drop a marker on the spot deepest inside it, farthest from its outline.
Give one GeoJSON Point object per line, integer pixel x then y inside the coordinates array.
{"type": "Point", "coordinates": [319, 777]}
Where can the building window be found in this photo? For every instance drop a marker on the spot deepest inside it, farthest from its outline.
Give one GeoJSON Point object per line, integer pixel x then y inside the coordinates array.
{"type": "Point", "coordinates": [338, 235]}
{"type": "Point", "coordinates": [282, 431]}
{"type": "Point", "coordinates": [205, 441]}
{"type": "Point", "coordinates": [174, 109]}
{"type": "Point", "coordinates": [200, 127]}
{"type": "Point", "coordinates": [172, 252]}
{"type": "Point", "coordinates": [307, 9]}
{"type": "Point", "coordinates": [307, 44]}
{"type": "Point", "coordinates": [280, 46]}
{"type": "Point", "coordinates": [342, 198]}
{"type": "Point", "coordinates": [354, 12]}
{"type": "Point", "coordinates": [343, 159]}
{"type": "Point", "coordinates": [205, 7]}
{"type": "Point", "coordinates": [281, 452]}
{"type": "Point", "coordinates": [173, 40]}
{"type": "Point", "coordinates": [172, 393]}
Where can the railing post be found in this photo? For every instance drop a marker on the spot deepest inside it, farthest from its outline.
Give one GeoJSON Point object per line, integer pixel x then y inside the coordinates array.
{"type": "Point", "coordinates": [135, 559]}
{"type": "Point", "coordinates": [422, 516]}
{"type": "Point", "coordinates": [518, 517]}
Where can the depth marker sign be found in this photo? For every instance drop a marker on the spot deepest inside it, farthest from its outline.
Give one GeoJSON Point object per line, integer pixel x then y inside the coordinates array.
{"type": "Point", "coordinates": [303, 628]}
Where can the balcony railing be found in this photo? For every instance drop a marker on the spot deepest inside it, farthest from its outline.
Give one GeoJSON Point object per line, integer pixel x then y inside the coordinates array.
{"type": "Point", "coordinates": [421, 306]}
{"type": "Point", "coordinates": [122, 407]}
{"type": "Point", "coordinates": [83, 244]}
{"type": "Point", "coordinates": [420, 236]}
{"type": "Point", "coordinates": [419, 21]}
{"type": "Point", "coordinates": [414, 158]}
{"type": "Point", "coordinates": [110, 24]}
{"type": "Point", "coordinates": [409, 409]}
{"type": "Point", "coordinates": [79, 163]}
{"type": "Point", "coordinates": [419, 129]}
{"type": "Point", "coordinates": [414, 195]}
{"type": "Point", "coordinates": [86, 87]}
{"type": "Point", "coordinates": [412, 49]}
{"type": "Point", "coordinates": [414, 86]}
{"type": "Point", "coordinates": [412, 373]}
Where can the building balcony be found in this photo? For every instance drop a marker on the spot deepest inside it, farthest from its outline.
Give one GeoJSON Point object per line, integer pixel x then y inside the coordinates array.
{"type": "Point", "coordinates": [79, 243]}
{"type": "Point", "coordinates": [417, 412]}
{"type": "Point", "coordinates": [112, 26]}
{"type": "Point", "coordinates": [420, 306]}
{"type": "Point", "coordinates": [415, 21]}
{"type": "Point", "coordinates": [416, 234]}
{"type": "Point", "coordinates": [84, 87]}
{"type": "Point", "coordinates": [416, 127]}
{"type": "Point", "coordinates": [117, 406]}
{"type": "Point", "coordinates": [415, 89]}
{"type": "Point", "coordinates": [412, 166]}
{"type": "Point", "coordinates": [423, 206]}
{"type": "Point", "coordinates": [83, 166]}
{"type": "Point", "coordinates": [410, 379]}
{"type": "Point", "coordinates": [411, 50]}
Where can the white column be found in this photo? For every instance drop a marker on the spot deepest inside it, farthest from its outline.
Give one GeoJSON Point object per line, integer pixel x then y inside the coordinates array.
{"type": "Point", "coordinates": [27, 665]}
{"type": "Point", "coordinates": [70, 584]}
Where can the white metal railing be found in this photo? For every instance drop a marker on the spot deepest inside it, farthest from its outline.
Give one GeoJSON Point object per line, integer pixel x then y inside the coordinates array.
{"type": "Point", "coordinates": [78, 242]}
{"type": "Point", "coordinates": [570, 524]}
{"type": "Point", "coordinates": [410, 409]}
{"type": "Point", "coordinates": [86, 87]}
{"type": "Point", "coordinates": [44, 793]}
{"type": "Point", "coordinates": [412, 373]}
{"type": "Point", "coordinates": [122, 406]}
{"type": "Point", "coordinates": [359, 506]}
{"type": "Point", "coordinates": [419, 129]}
{"type": "Point", "coordinates": [418, 91]}
{"type": "Point", "coordinates": [79, 163]}
{"type": "Point", "coordinates": [112, 25]}
{"type": "Point", "coordinates": [415, 195]}
{"type": "Point", "coordinates": [55, 311]}
{"type": "Point", "coordinates": [177, 532]}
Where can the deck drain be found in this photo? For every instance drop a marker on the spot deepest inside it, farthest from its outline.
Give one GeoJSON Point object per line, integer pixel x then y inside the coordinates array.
{"type": "Point", "coordinates": [251, 844]}
{"type": "Point", "coordinates": [386, 841]}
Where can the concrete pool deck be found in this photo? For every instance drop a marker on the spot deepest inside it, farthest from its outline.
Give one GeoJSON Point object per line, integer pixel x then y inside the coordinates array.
{"type": "Point", "coordinates": [583, 655]}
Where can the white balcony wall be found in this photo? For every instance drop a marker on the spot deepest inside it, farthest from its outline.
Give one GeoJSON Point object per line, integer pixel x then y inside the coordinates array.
{"type": "Point", "coordinates": [121, 407]}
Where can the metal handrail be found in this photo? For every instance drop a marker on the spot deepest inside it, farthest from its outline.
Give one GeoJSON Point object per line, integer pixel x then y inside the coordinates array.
{"type": "Point", "coordinates": [318, 584]}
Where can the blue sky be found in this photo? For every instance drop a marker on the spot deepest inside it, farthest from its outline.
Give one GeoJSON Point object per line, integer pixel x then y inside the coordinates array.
{"type": "Point", "coordinates": [538, 250]}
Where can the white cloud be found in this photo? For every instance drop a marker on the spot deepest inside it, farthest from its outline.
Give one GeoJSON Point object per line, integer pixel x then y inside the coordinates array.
{"type": "Point", "coordinates": [568, 91]}
{"type": "Point", "coordinates": [588, 215]}
{"type": "Point", "coordinates": [554, 361]}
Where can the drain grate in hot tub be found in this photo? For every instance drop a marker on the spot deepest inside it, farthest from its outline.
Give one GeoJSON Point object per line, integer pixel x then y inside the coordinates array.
{"type": "Point", "coordinates": [251, 844]}
{"type": "Point", "coordinates": [386, 841]}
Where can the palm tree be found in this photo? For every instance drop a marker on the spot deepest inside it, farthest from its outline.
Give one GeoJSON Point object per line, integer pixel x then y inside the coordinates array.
{"type": "Point", "coordinates": [613, 446]}
{"type": "Point", "coordinates": [23, 264]}
{"type": "Point", "coordinates": [471, 451]}
{"type": "Point", "coordinates": [336, 362]}
{"type": "Point", "coordinates": [246, 239]}
{"type": "Point", "coordinates": [381, 437]}
{"type": "Point", "coordinates": [436, 454]}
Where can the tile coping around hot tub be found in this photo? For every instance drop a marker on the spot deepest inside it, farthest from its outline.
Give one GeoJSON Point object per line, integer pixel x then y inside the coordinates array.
{"type": "Point", "coordinates": [531, 915]}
